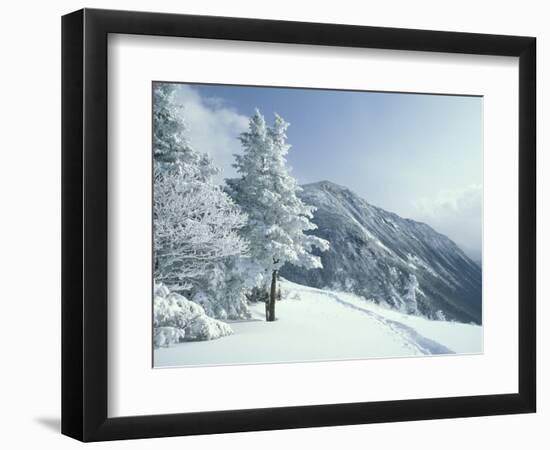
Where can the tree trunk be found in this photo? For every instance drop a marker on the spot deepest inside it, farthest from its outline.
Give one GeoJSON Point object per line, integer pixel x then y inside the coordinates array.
{"type": "Point", "coordinates": [270, 308]}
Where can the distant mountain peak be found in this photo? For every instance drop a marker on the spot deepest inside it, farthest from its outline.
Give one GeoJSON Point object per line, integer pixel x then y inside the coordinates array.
{"type": "Point", "coordinates": [381, 256]}
{"type": "Point", "coordinates": [327, 185]}
{"type": "Point", "coordinates": [323, 183]}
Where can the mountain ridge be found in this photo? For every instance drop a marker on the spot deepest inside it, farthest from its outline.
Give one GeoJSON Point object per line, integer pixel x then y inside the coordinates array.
{"type": "Point", "coordinates": [392, 260]}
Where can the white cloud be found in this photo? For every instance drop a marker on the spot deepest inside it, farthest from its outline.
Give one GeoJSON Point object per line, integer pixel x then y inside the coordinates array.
{"type": "Point", "coordinates": [213, 127]}
{"type": "Point", "coordinates": [456, 213]}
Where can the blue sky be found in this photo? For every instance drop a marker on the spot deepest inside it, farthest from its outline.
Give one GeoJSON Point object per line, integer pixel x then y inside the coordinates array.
{"type": "Point", "coordinates": [414, 154]}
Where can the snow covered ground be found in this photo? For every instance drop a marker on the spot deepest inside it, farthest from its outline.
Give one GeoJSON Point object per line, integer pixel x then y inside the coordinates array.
{"type": "Point", "coordinates": [314, 324]}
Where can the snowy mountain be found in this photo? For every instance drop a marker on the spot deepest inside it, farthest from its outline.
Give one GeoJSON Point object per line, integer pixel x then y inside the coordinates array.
{"type": "Point", "coordinates": [383, 257]}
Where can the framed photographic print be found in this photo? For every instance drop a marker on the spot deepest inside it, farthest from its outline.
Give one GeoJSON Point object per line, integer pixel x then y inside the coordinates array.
{"type": "Point", "coordinates": [273, 224]}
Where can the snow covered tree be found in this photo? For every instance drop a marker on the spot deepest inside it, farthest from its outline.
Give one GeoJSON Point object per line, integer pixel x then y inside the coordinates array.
{"type": "Point", "coordinates": [410, 301]}
{"type": "Point", "coordinates": [171, 147]}
{"type": "Point", "coordinates": [224, 294]}
{"type": "Point", "coordinates": [277, 218]}
{"type": "Point", "coordinates": [195, 225]}
{"type": "Point", "coordinates": [195, 222]}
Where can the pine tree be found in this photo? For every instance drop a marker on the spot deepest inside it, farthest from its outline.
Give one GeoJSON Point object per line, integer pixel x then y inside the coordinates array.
{"type": "Point", "coordinates": [277, 218]}
{"type": "Point", "coordinates": [410, 301]}
{"type": "Point", "coordinates": [171, 148]}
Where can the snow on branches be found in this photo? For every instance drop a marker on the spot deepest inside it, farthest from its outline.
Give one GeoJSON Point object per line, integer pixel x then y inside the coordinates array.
{"type": "Point", "coordinates": [195, 222]}
{"type": "Point", "coordinates": [171, 148]}
{"type": "Point", "coordinates": [177, 319]}
{"type": "Point", "coordinates": [277, 218]}
{"type": "Point", "coordinates": [217, 245]}
{"type": "Point", "coordinates": [195, 227]}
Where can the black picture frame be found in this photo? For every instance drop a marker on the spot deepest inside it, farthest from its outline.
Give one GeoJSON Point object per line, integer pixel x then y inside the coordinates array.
{"type": "Point", "coordinates": [85, 240]}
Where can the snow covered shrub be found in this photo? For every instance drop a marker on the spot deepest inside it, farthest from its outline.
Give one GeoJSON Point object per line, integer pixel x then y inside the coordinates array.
{"type": "Point", "coordinates": [222, 305]}
{"type": "Point", "coordinates": [175, 310]}
{"type": "Point", "coordinates": [176, 319]}
{"type": "Point", "coordinates": [204, 328]}
{"type": "Point", "coordinates": [222, 293]}
{"type": "Point", "coordinates": [229, 287]}
{"type": "Point", "coordinates": [166, 336]}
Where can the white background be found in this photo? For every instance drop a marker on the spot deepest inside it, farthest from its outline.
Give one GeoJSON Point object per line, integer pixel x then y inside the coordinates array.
{"type": "Point", "coordinates": [136, 389]}
{"type": "Point", "coordinates": [30, 177]}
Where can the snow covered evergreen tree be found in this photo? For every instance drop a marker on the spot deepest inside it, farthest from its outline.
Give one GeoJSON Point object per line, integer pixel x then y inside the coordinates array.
{"type": "Point", "coordinates": [195, 222]}
{"type": "Point", "coordinates": [171, 148]}
{"type": "Point", "coordinates": [224, 294]}
{"type": "Point", "coordinates": [277, 219]}
{"type": "Point", "coordinates": [411, 290]}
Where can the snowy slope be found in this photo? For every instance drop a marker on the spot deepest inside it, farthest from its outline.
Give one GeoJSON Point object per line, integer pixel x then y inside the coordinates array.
{"type": "Point", "coordinates": [314, 324]}
{"type": "Point", "coordinates": [382, 256]}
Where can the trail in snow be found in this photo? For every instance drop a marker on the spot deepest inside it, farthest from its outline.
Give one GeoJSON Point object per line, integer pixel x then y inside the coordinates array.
{"type": "Point", "coordinates": [320, 325]}
{"type": "Point", "coordinates": [424, 345]}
